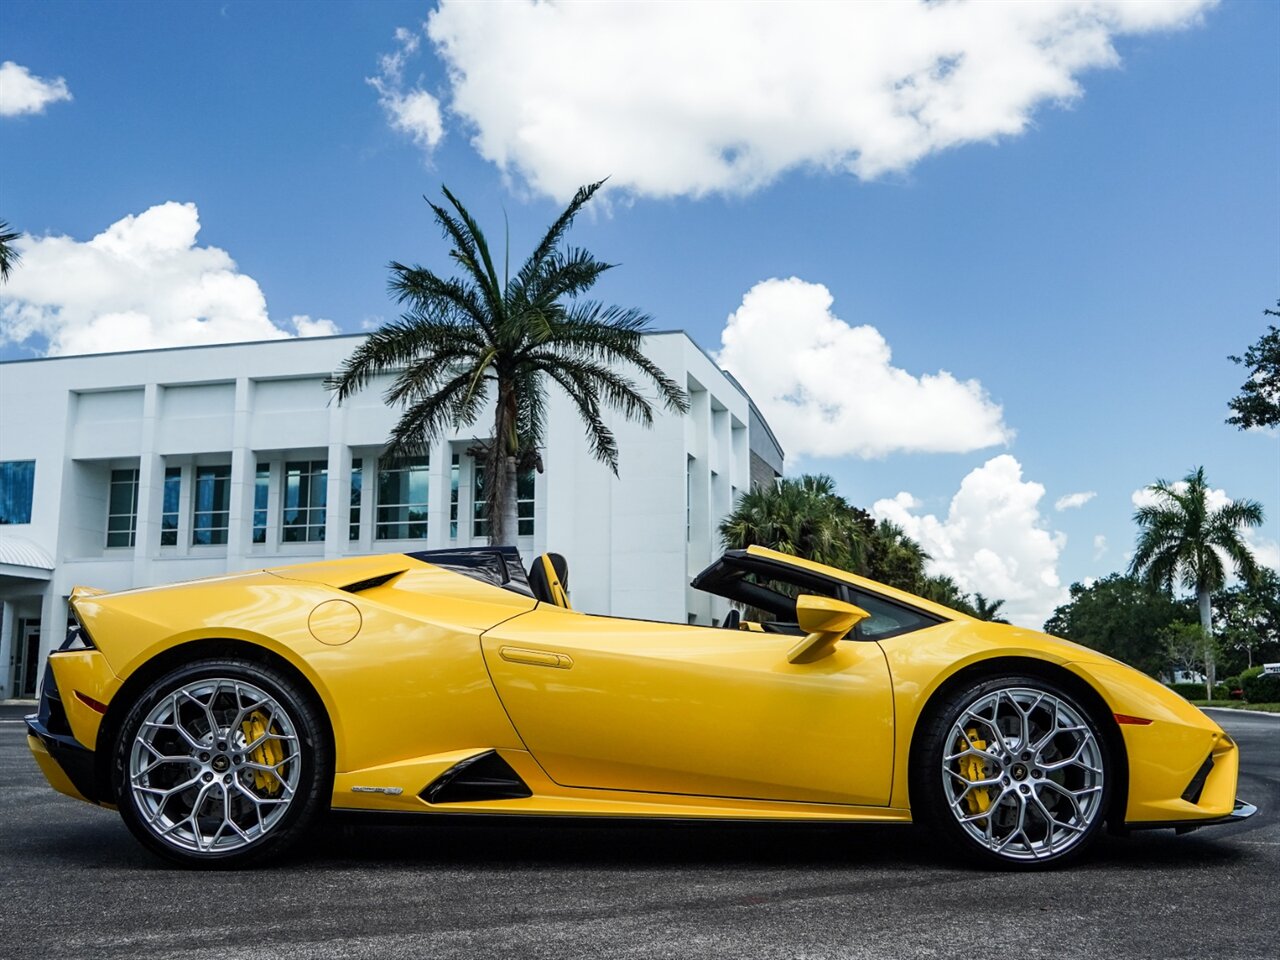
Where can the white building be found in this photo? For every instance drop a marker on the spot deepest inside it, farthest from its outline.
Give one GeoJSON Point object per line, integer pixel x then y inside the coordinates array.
{"type": "Point", "coordinates": [133, 469]}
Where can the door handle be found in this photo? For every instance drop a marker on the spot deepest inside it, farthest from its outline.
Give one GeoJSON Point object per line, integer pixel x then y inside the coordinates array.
{"type": "Point", "coordinates": [537, 658]}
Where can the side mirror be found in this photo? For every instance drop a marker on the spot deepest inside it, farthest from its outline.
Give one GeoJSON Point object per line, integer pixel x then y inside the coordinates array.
{"type": "Point", "coordinates": [827, 621]}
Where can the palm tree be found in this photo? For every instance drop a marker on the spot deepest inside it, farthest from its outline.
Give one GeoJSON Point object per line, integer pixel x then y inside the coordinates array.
{"type": "Point", "coordinates": [466, 339]}
{"type": "Point", "coordinates": [9, 257]}
{"type": "Point", "coordinates": [943, 589]}
{"type": "Point", "coordinates": [988, 610]}
{"type": "Point", "coordinates": [895, 559]}
{"type": "Point", "coordinates": [803, 516]}
{"type": "Point", "coordinates": [1181, 539]}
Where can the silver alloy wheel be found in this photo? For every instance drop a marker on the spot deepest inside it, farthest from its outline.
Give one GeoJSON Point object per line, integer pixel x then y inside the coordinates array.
{"type": "Point", "coordinates": [215, 765]}
{"type": "Point", "coordinates": [1024, 777]}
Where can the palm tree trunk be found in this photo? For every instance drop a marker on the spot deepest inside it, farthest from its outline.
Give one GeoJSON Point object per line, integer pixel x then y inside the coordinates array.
{"type": "Point", "coordinates": [1206, 624]}
{"type": "Point", "coordinates": [500, 471]}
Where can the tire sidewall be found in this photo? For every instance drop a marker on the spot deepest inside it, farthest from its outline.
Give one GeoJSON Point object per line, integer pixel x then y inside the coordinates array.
{"type": "Point", "coordinates": [928, 797]}
{"type": "Point", "coordinates": [315, 763]}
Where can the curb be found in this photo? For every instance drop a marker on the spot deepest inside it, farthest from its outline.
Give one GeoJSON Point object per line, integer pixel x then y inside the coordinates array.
{"type": "Point", "coordinates": [1252, 713]}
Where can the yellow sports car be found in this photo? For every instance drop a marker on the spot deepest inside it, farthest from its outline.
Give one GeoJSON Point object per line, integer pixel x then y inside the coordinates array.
{"type": "Point", "coordinates": [223, 716]}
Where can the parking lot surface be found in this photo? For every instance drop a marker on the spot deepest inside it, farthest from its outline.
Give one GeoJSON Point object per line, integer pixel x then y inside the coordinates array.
{"type": "Point", "coordinates": [73, 883]}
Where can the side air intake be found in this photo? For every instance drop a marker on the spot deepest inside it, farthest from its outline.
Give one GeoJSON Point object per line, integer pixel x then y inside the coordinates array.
{"type": "Point", "coordinates": [485, 776]}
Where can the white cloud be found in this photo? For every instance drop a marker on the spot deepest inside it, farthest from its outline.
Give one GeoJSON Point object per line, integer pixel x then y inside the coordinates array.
{"type": "Point", "coordinates": [1099, 546]}
{"type": "Point", "coordinates": [1073, 500]}
{"type": "Point", "coordinates": [1265, 551]}
{"type": "Point", "coordinates": [829, 389]}
{"type": "Point", "coordinates": [699, 97]}
{"type": "Point", "coordinates": [413, 111]}
{"type": "Point", "coordinates": [23, 92]}
{"type": "Point", "coordinates": [143, 282]}
{"type": "Point", "coordinates": [992, 541]}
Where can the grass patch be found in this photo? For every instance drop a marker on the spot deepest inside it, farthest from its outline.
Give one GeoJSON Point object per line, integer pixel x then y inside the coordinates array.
{"type": "Point", "coordinates": [1239, 705]}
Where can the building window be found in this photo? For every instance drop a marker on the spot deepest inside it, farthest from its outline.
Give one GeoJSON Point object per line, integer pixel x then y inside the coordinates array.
{"type": "Point", "coordinates": [306, 489]}
{"type": "Point", "coordinates": [357, 481]}
{"type": "Point", "coordinates": [455, 472]}
{"type": "Point", "coordinates": [17, 485]}
{"type": "Point", "coordinates": [261, 490]}
{"type": "Point", "coordinates": [402, 501]}
{"type": "Point", "coordinates": [211, 505]}
{"type": "Point", "coordinates": [169, 509]}
{"type": "Point", "coordinates": [524, 503]}
{"type": "Point", "coordinates": [122, 508]}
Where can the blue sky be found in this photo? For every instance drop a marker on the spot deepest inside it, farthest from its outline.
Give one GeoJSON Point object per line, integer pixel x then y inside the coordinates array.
{"type": "Point", "coordinates": [1091, 271]}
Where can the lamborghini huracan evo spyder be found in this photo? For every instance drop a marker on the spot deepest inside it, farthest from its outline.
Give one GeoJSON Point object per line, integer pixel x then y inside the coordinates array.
{"type": "Point", "coordinates": [222, 716]}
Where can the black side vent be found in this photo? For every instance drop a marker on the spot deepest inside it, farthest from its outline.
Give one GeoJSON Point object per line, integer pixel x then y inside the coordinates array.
{"type": "Point", "coordinates": [51, 712]}
{"type": "Point", "coordinates": [379, 580]}
{"type": "Point", "coordinates": [485, 776]}
{"type": "Point", "coordinates": [1196, 786]}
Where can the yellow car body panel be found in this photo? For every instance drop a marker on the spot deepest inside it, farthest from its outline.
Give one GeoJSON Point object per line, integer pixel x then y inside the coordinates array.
{"type": "Point", "coordinates": [420, 668]}
{"type": "Point", "coordinates": [669, 708]}
{"type": "Point", "coordinates": [421, 685]}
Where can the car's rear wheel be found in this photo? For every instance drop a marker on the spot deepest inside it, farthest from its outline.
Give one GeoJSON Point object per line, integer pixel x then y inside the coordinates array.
{"type": "Point", "coordinates": [1012, 771]}
{"type": "Point", "coordinates": [221, 763]}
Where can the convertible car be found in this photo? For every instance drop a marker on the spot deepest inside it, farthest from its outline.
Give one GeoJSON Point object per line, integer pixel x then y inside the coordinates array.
{"type": "Point", "coordinates": [221, 717]}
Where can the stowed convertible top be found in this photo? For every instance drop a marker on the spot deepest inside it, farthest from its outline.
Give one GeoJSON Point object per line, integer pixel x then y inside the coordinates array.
{"type": "Point", "coordinates": [500, 566]}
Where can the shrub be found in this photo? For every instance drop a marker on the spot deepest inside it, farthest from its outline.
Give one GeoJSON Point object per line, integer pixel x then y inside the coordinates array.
{"type": "Point", "coordinates": [1192, 691]}
{"type": "Point", "coordinates": [1263, 688]}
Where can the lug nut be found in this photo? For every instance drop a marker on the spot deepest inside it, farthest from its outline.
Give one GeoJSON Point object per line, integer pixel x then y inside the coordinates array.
{"type": "Point", "coordinates": [227, 779]}
{"type": "Point", "coordinates": [204, 758]}
{"type": "Point", "coordinates": [221, 745]}
{"type": "Point", "coordinates": [1005, 781]}
{"type": "Point", "coordinates": [238, 759]}
{"type": "Point", "coordinates": [1026, 755]}
{"type": "Point", "coordinates": [1037, 774]}
{"type": "Point", "coordinates": [1024, 788]}
{"type": "Point", "coordinates": [208, 777]}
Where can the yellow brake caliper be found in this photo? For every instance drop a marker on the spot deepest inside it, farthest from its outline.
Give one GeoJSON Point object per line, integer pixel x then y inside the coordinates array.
{"type": "Point", "coordinates": [268, 753]}
{"type": "Point", "coordinates": [972, 769]}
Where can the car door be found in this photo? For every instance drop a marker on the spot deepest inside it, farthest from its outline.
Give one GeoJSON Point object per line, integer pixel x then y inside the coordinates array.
{"type": "Point", "coordinates": [616, 704]}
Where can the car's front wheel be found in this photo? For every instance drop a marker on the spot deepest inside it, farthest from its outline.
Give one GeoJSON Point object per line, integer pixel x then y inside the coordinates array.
{"type": "Point", "coordinates": [221, 763]}
{"type": "Point", "coordinates": [1012, 771]}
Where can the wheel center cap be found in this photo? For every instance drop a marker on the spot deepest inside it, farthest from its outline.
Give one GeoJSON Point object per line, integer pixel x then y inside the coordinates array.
{"type": "Point", "coordinates": [220, 763]}
{"type": "Point", "coordinates": [1019, 772]}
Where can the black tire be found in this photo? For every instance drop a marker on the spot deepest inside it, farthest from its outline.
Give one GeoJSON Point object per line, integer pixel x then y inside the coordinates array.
{"type": "Point", "coordinates": [1038, 795]}
{"type": "Point", "coordinates": [267, 796]}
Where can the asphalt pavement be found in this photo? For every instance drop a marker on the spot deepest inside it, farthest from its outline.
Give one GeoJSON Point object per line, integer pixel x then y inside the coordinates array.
{"type": "Point", "coordinates": [73, 883]}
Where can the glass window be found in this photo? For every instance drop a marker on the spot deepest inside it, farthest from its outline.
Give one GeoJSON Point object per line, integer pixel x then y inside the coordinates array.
{"type": "Point", "coordinates": [887, 619]}
{"type": "Point", "coordinates": [17, 485]}
{"type": "Point", "coordinates": [261, 489]}
{"type": "Point", "coordinates": [122, 508]}
{"type": "Point", "coordinates": [306, 489]}
{"type": "Point", "coordinates": [402, 501]}
{"type": "Point", "coordinates": [169, 514]}
{"type": "Point", "coordinates": [455, 471]}
{"type": "Point", "coordinates": [211, 505]}
{"type": "Point", "coordinates": [524, 503]}
{"type": "Point", "coordinates": [357, 480]}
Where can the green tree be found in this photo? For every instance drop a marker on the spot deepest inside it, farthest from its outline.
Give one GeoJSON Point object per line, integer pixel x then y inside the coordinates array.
{"type": "Point", "coordinates": [1258, 403]}
{"type": "Point", "coordinates": [1182, 539]}
{"type": "Point", "coordinates": [1190, 648]}
{"type": "Point", "coordinates": [985, 609]}
{"type": "Point", "coordinates": [803, 516]}
{"type": "Point", "coordinates": [893, 558]}
{"type": "Point", "coordinates": [1121, 616]}
{"type": "Point", "coordinates": [466, 340]}
{"type": "Point", "coordinates": [1247, 616]}
{"type": "Point", "coordinates": [9, 256]}
{"type": "Point", "coordinates": [944, 590]}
